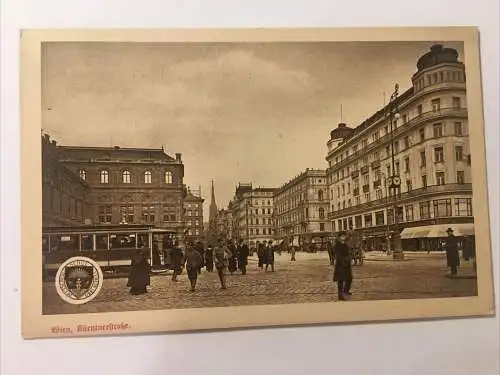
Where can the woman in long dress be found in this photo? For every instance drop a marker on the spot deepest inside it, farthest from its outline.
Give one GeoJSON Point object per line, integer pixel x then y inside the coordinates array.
{"type": "Point", "coordinates": [139, 277]}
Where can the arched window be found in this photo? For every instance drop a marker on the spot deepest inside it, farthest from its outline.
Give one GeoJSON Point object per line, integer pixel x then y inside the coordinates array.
{"type": "Point", "coordinates": [83, 174]}
{"type": "Point", "coordinates": [147, 177]}
{"type": "Point", "coordinates": [321, 213]}
{"type": "Point", "coordinates": [168, 177]}
{"type": "Point", "coordinates": [320, 195]}
{"type": "Point", "coordinates": [126, 177]}
{"type": "Point", "coordinates": [104, 177]}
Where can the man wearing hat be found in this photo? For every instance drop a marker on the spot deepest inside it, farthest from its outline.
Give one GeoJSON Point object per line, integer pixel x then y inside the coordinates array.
{"type": "Point", "coordinates": [342, 271]}
{"type": "Point", "coordinates": [452, 256]}
{"type": "Point", "coordinates": [269, 256]}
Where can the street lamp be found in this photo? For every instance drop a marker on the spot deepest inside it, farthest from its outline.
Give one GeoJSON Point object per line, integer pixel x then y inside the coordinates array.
{"type": "Point", "coordinates": [394, 180]}
{"type": "Point", "coordinates": [382, 177]}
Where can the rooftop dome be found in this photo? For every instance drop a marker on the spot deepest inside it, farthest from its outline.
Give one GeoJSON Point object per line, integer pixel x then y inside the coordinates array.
{"type": "Point", "coordinates": [437, 55]}
{"type": "Point", "coordinates": [341, 132]}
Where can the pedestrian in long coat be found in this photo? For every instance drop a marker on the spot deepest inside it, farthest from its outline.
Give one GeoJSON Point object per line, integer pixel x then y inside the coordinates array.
{"type": "Point", "coordinates": [139, 277]}
{"type": "Point", "coordinates": [470, 245]}
{"type": "Point", "coordinates": [156, 254]}
{"type": "Point", "coordinates": [194, 262]}
{"type": "Point", "coordinates": [342, 273]}
{"type": "Point", "coordinates": [243, 253]}
{"type": "Point", "coordinates": [260, 253]}
{"type": "Point", "coordinates": [209, 259]}
{"type": "Point", "coordinates": [468, 248]}
{"type": "Point", "coordinates": [221, 256]}
{"type": "Point", "coordinates": [452, 256]}
{"type": "Point", "coordinates": [177, 260]}
{"type": "Point", "coordinates": [233, 260]}
{"type": "Point", "coordinates": [201, 250]}
{"type": "Point", "coordinates": [269, 256]}
{"type": "Point", "coordinates": [331, 255]}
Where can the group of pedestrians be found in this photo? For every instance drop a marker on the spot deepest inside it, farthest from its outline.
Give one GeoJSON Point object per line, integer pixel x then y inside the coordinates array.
{"type": "Point", "coordinates": [226, 255]}
{"type": "Point", "coordinates": [265, 253]}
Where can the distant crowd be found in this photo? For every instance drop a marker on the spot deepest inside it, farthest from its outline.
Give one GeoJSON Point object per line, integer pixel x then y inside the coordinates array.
{"type": "Point", "coordinates": [229, 256]}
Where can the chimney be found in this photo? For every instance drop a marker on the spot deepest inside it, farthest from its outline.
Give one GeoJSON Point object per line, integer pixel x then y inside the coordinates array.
{"type": "Point", "coordinates": [178, 157]}
{"type": "Point", "coordinates": [54, 143]}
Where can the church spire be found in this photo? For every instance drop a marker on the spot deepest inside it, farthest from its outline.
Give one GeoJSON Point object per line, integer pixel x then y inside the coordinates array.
{"type": "Point", "coordinates": [213, 204]}
{"type": "Point", "coordinates": [212, 218]}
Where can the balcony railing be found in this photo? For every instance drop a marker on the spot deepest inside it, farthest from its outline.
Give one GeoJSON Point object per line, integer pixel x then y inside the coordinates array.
{"type": "Point", "coordinates": [355, 192]}
{"type": "Point", "coordinates": [377, 183]}
{"type": "Point", "coordinates": [410, 124]}
{"type": "Point", "coordinates": [366, 188]}
{"type": "Point", "coordinates": [364, 169]}
{"type": "Point", "coordinates": [375, 164]}
{"type": "Point", "coordinates": [355, 173]}
{"type": "Point", "coordinates": [429, 190]}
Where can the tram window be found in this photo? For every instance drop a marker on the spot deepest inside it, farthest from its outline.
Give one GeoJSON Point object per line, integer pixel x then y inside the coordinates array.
{"type": "Point", "coordinates": [115, 241]}
{"type": "Point", "coordinates": [87, 242]}
{"type": "Point", "coordinates": [130, 241]}
{"type": "Point", "coordinates": [143, 240]}
{"type": "Point", "coordinates": [101, 241]}
{"type": "Point", "coordinates": [45, 244]}
{"type": "Point", "coordinates": [54, 243]}
{"type": "Point", "coordinates": [123, 240]}
{"type": "Point", "coordinates": [68, 242]}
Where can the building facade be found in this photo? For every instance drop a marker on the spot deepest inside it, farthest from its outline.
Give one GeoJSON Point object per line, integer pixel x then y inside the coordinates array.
{"type": "Point", "coordinates": [65, 197]}
{"type": "Point", "coordinates": [224, 224]}
{"type": "Point", "coordinates": [252, 214]}
{"type": "Point", "coordinates": [122, 185]}
{"type": "Point", "coordinates": [430, 144]}
{"type": "Point", "coordinates": [193, 215]}
{"type": "Point", "coordinates": [301, 208]}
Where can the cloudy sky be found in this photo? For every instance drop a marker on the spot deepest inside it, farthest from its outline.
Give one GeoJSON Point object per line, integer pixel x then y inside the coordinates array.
{"type": "Point", "coordinates": [256, 113]}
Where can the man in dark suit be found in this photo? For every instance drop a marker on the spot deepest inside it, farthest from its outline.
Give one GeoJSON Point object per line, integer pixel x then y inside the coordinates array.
{"type": "Point", "coordinates": [242, 253]}
{"type": "Point", "coordinates": [452, 256]}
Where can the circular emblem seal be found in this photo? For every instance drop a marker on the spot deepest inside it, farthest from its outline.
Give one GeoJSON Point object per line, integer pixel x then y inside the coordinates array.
{"type": "Point", "coordinates": [79, 280]}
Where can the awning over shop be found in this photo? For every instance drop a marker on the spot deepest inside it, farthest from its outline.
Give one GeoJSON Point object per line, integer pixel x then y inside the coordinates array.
{"type": "Point", "coordinates": [434, 231]}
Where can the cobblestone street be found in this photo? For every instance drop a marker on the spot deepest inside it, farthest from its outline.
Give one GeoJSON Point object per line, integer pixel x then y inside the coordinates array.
{"type": "Point", "coordinates": [309, 279]}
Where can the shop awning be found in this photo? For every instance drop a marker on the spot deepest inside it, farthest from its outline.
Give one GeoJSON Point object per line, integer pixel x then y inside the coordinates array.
{"type": "Point", "coordinates": [434, 231]}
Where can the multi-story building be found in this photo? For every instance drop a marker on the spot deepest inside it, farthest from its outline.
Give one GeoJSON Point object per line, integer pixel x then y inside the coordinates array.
{"type": "Point", "coordinates": [224, 224]}
{"type": "Point", "coordinates": [120, 185]}
{"type": "Point", "coordinates": [193, 215]}
{"type": "Point", "coordinates": [429, 140]}
{"type": "Point", "coordinates": [253, 213]}
{"type": "Point", "coordinates": [65, 196]}
{"type": "Point", "coordinates": [301, 208]}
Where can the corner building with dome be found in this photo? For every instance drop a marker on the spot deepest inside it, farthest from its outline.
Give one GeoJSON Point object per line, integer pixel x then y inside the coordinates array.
{"type": "Point", "coordinates": [426, 152]}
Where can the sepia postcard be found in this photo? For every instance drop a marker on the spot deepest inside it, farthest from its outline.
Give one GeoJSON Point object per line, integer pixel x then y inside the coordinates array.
{"type": "Point", "coordinates": [187, 180]}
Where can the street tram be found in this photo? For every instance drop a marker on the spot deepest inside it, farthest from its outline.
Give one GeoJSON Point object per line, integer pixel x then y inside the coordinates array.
{"type": "Point", "coordinates": [112, 247]}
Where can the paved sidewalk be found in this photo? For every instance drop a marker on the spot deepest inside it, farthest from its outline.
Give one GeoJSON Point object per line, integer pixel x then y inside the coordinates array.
{"type": "Point", "coordinates": [309, 279]}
